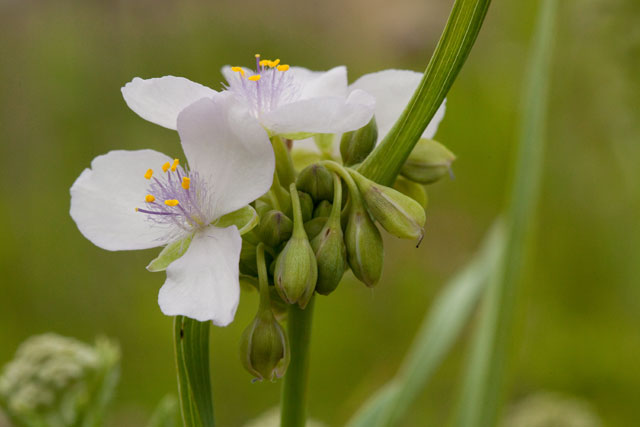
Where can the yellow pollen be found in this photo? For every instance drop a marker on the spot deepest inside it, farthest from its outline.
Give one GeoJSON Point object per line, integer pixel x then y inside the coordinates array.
{"type": "Point", "coordinates": [264, 62]}
{"type": "Point", "coordinates": [136, 209]}
{"type": "Point", "coordinates": [172, 202]}
{"type": "Point", "coordinates": [283, 67]}
{"type": "Point", "coordinates": [166, 167]}
{"type": "Point", "coordinates": [255, 78]}
{"type": "Point", "coordinates": [149, 198]}
{"type": "Point", "coordinates": [186, 182]}
{"type": "Point", "coordinates": [274, 63]}
{"type": "Point", "coordinates": [238, 70]}
{"type": "Point", "coordinates": [257, 55]}
{"type": "Point", "coordinates": [175, 164]}
{"type": "Point", "coordinates": [148, 174]}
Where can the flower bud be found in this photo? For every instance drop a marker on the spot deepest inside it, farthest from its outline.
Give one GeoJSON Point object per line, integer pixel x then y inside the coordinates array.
{"type": "Point", "coordinates": [306, 205]}
{"type": "Point", "coordinates": [263, 349]}
{"type": "Point", "coordinates": [412, 189]}
{"type": "Point", "coordinates": [364, 244]}
{"type": "Point", "coordinates": [355, 146]}
{"type": "Point", "coordinates": [314, 226]}
{"type": "Point", "coordinates": [296, 270]}
{"type": "Point", "coordinates": [428, 162]}
{"type": "Point", "coordinates": [317, 181]}
{"type": "Point", "coordinates": [328, 245]}
{"type": "Point", "coordinates": [275, 228]}
{"type": "Point", "coordinates": [323, 209]}
{"type": "Point", "coordinates": [248, 259]}
{"type": "Point", "coordinates": [400, 215]}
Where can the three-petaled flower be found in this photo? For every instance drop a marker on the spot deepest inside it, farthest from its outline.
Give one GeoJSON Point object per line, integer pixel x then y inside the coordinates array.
{"type": "Point", "coordinates": [143, 199]}
{"type": "Point", "coordinates": [288, 101]}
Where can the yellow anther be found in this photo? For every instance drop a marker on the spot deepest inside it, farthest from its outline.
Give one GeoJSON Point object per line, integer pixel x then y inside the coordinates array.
{"type": "Point", "coordinates": [274, 63]}
{"type": "Point", "coordinates": [255, 78]}
{"type": "Point", "coordinates": [238, 70]}
{"type": "Point", "coordinates": [166, 167]}
{"type": "Point", "coordinates": [175, 164]}
{"type": "Point", "coordinates": [136, 209]}
{"type": "Point", "coordinates": [264, 62]}
{"type": "Point", "coordinates": [171, 202]}
{"type": "Point", "coordinates": [186, 182]}
{"type": "Point", "coordinates": [283, 67]}
{"type": "Point", "coordinates": [257, 55]}
{"type": "Point", "coordinates": [149, 198]}
{"type": "Point", "coordinates": [148, 174]}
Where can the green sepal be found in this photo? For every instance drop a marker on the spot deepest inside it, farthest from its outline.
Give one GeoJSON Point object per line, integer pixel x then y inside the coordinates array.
{"type": "Point", "coordinates": [245, 219]}
{"type": "Point", "coordinates": [170, 253]}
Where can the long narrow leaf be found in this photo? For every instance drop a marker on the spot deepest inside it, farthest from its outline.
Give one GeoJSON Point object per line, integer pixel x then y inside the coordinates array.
{"type": "Point", "coordinates": [438, 333]}
{"type": "Point", "coordinates": [483, 387]}
{"type": "Point", "coordinates": [191, 339]}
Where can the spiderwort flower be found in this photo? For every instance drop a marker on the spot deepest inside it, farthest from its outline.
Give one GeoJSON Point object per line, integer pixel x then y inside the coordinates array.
{"type": "Point", "coordinates": [143, 199]}
{"type": "Point", "coordinates": [287, 101]}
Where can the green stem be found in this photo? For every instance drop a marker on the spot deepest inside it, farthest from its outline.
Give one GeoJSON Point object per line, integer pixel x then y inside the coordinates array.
{"type": "Point", "coordinates": [284, 164]}
{"type": "Point", "coordinates": [294, 391]}
{"type": "Point", "coordinates": [463, 26]}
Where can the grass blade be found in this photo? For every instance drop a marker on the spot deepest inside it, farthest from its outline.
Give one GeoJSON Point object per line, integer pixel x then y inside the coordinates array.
{"type": "Point", "coordinates": [483, 387]}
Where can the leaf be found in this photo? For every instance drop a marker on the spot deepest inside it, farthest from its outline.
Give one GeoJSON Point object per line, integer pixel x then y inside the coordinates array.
{"type": "Point", "coordinates": [191, 343]}
{"type": "Point", "coordinates": [170, 253]}
{"type": "Point", "coordinates": [245, 219]}
{"type": "Point", "coordinates": [463, 26]}
{"type": "Point", "coordinates": [485, 377]}
{"type": "Point", "coordinates": [440, 328]}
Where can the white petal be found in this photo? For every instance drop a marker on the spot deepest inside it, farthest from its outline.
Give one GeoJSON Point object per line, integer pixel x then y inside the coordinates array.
{"type": "Point", "coordinates": [321, 115]}
{"type": "Point", "coordinates": [228, 74]}
{"type": "Point", "coordinates": [315, 84]}
{"type": "Point", "coordinates": [104, 198]}
{"type": "Point", "coordinates": [203, 284]}
{"type": "Point", "coordinates": [229, 149]}
{"type": "Point", "coordinates": [392, 90]}
{"type": "Point", "coordinates": [160, 100]}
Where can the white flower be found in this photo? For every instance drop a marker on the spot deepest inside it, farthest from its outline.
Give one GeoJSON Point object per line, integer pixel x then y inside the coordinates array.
{"type": "Point", "coordinates": [290, 101]}
{"type": "Point", "coordinates": [142, 199]}
{"type": "Point", "coordinates": [392, 90]}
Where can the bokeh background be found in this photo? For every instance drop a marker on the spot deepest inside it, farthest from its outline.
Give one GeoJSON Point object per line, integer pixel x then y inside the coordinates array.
{"type": "Point", "coordinates": [63, 62]}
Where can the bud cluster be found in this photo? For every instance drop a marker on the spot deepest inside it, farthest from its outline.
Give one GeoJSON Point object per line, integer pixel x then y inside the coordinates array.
{"type": "Point", "coordinates": [323, 223]}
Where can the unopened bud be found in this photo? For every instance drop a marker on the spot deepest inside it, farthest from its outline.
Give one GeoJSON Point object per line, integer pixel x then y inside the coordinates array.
{"type": "Point", "coordinates": [428, 162]}
{"type": "Point", "coordinates": [314, 226]}
{"type": "Point", "coordinates": [296, 270]}
{"type": "Point", "coordinates": [400, 215]}
{"type": "Point", "coordinates": [355, 146]}
{"type": "Point", "coordinates": [328, 245]}
{"type": "Point", "coordinates": [323, 209]}
{"type": "Point", "coordinates": [306, 205]}
{"type": "Point", "coordinates": [412, 189]}
{"type": "Point", "coordinates": [248, 259]}
{"type": "Point", "coordinates": [275, 228]}
{"type": "Point", "coordinates": [316, 180]}
{"type": "Point", "coordinates": [364, 245]}
{"type": "Point", "coordinates": [263, 349]}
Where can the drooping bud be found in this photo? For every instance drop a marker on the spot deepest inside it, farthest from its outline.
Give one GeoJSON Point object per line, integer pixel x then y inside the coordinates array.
{"type": "Point", "coordinates": [317, 181]}
{"type": "Point", "coordinates": [412, 189]}
{"type": "Point", "coordinates": [264, 350]}
{"type": "Point", "coordinates": [322, 209]}
{"type": "Point", "coordinates": [355, 146]}
{"type": "Point", "coordinates": [296, 270]}
{"type": "Point", "coordinates": [361, 236]}
{"type": "Point", "coordinates": [428, 162]}
{"type": "Point", "coordinates": [400, 215]}
{"type": "Point", "coordinates": [306, 205]}
{"type": "Point", "coordinates": [314, 226]}
{"type": "Point", "coordinates": [275, 227]}
{"type": "Point", "coordinates": [328, 245]}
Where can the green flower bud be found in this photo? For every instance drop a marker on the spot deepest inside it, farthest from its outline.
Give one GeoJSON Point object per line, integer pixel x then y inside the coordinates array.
{"type": "Point", "coordinates": [412, 189]}
{"type": "Point", "coordinates": [263, 349]}
{"type": "Point", "coordinates": [306, 205]}
{"type": "Point", "coordinates": [355, 146]}
{"type": "Point", "coordinates": [314, 226]}
{"type": "Point", "coordinates": [248, 259]}
{"type": "Point", "coordinates": [275, 228]}
{"type": "Point", "coordinates": [317, 181]}
{"type": "Point", "coordinates": [329, 247]}
{"type": "Point", "coordinates": [428, 162]}
{"type": "Point", "coordinates": [322, 209]}
{"type": "Point", "coordinates": [262, 206]}
{"type": "Point", "coordinates": [364, 246]}
{"type": "Point", "coordinates": [296, 270]}
{"type": "Point", "coordinates": [400, 215]}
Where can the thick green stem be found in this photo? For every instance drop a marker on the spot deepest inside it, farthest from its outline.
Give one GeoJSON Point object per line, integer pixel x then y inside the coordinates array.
{"type": "Point", "coordinates": [284, 164]}
{"type": "Point", "coordinates": [294, 391]}
{"type": "Point", "coordinates": [463, 26]}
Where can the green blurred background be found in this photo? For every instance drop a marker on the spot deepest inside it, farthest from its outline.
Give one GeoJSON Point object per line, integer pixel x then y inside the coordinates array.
{"type": "Point", "coordinates": [62, 64]}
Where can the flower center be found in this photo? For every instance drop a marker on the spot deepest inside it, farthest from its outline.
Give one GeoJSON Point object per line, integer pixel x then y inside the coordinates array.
{"type": "Point", "coordinates": [266, 88]}
{"type": "Point", "coordinates": [176, 197]}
